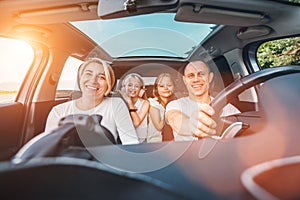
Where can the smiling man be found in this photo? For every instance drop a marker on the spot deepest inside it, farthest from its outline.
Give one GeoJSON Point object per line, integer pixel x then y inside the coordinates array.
{"type": "Point", "coordinates": [190, 117]}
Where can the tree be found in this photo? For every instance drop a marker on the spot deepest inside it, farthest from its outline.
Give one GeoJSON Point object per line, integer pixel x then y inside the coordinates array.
{"type": "Point", "coordinates": [294, 1]}
{"type": "Point", "coordinates": [279, 52]}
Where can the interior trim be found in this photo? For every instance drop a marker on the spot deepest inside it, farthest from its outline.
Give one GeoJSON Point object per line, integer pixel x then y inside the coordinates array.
{"type": "Point", "coordinates": [214, 15]}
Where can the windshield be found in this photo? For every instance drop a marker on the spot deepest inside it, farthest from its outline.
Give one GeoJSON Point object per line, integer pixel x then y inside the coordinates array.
{"type": "Point", "coordinates": [145, 35]}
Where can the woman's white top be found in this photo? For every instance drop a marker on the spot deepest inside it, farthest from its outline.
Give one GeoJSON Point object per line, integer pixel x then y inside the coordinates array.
{"type": "Point", "coordinates": [114, 111]}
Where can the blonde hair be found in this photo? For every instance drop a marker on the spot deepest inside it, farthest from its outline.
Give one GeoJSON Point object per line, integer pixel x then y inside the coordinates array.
{"type": "Point", "coordinates": [108, 71]}
{"type": "Point", "coordinates": [155, 87]}
{"type": "Point", "coordinates": [139, 78]}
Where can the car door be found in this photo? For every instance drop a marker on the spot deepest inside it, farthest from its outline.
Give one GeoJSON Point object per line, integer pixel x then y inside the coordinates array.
{"type": "Point", "coordinates": [17, 83]}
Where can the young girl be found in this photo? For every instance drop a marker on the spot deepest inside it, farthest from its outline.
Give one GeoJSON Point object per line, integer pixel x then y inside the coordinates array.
{"type": "Point", "coordinates": [134, 94]}
{"type": "Point", "coordinates": [164, 92]}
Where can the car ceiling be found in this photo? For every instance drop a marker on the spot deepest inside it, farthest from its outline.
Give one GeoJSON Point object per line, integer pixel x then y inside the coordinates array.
{"type": "Point", "coordinates": [34, 20]}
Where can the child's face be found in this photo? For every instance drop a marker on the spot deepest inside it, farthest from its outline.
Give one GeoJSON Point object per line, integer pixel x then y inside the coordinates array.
{"type": "Point", "coordinates": [165, 87]}
{"type": "Point", "coordinates": [133, 87]}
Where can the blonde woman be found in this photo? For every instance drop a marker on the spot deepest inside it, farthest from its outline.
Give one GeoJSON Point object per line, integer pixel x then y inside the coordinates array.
{"type": "Point", "coordinates": [95, 80]}
{"type": "Point", "coordinates": [163, 92]}
{"type": "Point", "coordinates": [134, 94]}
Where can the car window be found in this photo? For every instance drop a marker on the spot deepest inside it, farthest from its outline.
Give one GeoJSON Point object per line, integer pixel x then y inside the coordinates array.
{"type": "Point", "coordinates": [130, 34]}
{"type": "Point", "coordinates": [67, 81]}
{"type": "Point", "coordinates": [279, 52]}
{"type": "Point", "coordinates": [16, 58]}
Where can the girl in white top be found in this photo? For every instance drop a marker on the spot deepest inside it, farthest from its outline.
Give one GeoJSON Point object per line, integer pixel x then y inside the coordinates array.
{"type": "Point", "coordinates": [95, 80]}
{"type": "Point", "coordinates": [163, 92]}
{"type": "Point", "coordinates": [134, 94]}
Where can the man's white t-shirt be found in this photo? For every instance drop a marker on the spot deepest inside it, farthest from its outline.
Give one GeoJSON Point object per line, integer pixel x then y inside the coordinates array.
{"type": "Point", "coordinates": [187, 106]}
{"type": "Point", "coordinates": [116, 117]}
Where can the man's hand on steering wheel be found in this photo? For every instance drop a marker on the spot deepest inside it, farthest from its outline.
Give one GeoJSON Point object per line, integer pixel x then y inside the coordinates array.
{"type": "Point", "coordinates": [201, 124]}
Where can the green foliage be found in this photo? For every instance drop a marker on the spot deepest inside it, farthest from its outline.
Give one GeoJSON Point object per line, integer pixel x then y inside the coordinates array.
{"type": "Point", "coordinates": [279, 53]}
{"type": "Point", "coordinates": [294, 1]}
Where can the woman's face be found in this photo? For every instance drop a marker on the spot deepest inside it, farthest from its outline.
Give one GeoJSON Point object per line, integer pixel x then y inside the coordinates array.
{"type": "Point", "coordinates": [133, 87]}
{"type": "Point", "coordinates": [165, 87]}
{"type": "Point", "coordinates": [93, 81]}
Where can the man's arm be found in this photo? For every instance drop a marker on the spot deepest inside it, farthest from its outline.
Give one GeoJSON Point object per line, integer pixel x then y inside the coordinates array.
{"type": "Point", "coordinates": [199, 124]}
{"type": "Point", "coordinates": [178, 122]}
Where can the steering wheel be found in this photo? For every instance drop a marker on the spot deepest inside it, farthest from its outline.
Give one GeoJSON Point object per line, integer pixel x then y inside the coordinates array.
{"type": "Point", "coordinates": [234, 89]}
{"type": "Point", "coordinates": [74, 131]}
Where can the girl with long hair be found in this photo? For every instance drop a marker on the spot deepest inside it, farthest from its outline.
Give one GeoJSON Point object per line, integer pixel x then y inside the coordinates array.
{"type": "Point", "coordinates": [133, 91]}
{"type": "Point", "coordinates": [163, 92]}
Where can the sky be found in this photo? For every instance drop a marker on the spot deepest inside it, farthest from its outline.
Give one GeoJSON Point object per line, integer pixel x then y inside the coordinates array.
{"type": "Point", "coordinates": [15, 57]}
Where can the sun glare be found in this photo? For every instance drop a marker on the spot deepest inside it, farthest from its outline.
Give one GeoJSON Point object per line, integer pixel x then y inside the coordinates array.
{"type": "Point", "coordinates": [16, 57]}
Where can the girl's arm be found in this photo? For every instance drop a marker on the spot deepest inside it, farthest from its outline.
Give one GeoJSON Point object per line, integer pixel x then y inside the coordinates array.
{"type": "Point", "coordinates": [124, 123]}
{"type": "Point", "coordinates": [158, 122]}
{"type": "Point", "coordinates": [138, 116]}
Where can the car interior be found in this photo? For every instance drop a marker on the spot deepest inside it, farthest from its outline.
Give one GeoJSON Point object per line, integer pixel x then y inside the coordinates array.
{"type": "Point", "coordinates": [56, 32]}
{"type": "Point", "coordinates": [35, 22]}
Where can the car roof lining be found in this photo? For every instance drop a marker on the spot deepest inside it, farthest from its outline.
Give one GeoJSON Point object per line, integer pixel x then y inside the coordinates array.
{"type": "Point", "coordinates": [186, 12]}
{"type": "Point", "coordinates": [202, 11]}
{"type": "Point", "coordinates": [44, 17]}
{"type": "Point", "coordinates": [209, 14]}
{"type": "Point", "coordinates": [58, 14]}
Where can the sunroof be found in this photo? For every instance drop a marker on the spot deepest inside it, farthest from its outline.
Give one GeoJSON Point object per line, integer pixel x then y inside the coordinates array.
{"type": "Point", "coordinates": [145, 35]}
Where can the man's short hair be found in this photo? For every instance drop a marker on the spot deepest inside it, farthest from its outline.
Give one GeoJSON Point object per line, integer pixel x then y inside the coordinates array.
{"type": "Point", "coordinates": [182, 69]}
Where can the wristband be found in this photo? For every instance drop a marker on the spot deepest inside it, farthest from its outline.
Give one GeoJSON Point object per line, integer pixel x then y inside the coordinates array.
{"type": "Point", "coordinates": [133, 110]}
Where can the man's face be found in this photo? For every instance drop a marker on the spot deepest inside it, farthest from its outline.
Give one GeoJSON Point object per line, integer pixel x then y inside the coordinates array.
{"type": "Point", "coordinates": [197, 78]}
